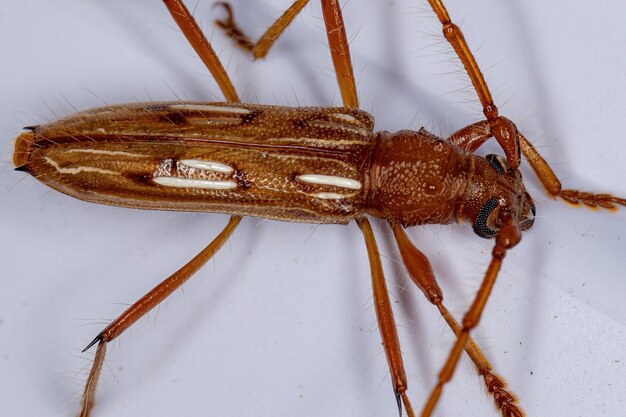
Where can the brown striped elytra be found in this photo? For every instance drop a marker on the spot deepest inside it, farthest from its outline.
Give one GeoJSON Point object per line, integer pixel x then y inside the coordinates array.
{"type": "Point", "coordinates": [528, 266]}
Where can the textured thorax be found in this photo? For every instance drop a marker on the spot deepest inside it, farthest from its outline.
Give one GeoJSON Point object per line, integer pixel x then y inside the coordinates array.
{"type": "Point", "coordinates": [417, 178]}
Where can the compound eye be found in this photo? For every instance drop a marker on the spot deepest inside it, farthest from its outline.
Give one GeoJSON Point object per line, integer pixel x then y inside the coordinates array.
{"type": "Point", "coordinates": [498, 163]}
{"type": "Point", "coordinates": [529, 219]}
{"type": "Point", "coordinates": [485, 225]}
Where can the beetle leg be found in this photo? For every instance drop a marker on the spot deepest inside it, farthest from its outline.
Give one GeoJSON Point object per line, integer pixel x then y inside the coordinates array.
{"type": "Point", "coordinates": [260, 48]}
{"type": "Point", "coordinates": [146, 303]}
{"type": "Point", "coordinates": [335, 30]}
{"type": "Point", "coordinates": [508, 237]}
{"type": "Point", "coordinates": [501, 128]}
{"type": "Point", "coordinates": [386, 322]}
{"type": "Point", "coordinates": [340, 52]}
{"type": "Point", "coordinates": [472, 136]}
{"type": "Point", "coordinates": [421, 273]}
{"type": "Point", "coordinates": [201, 45]}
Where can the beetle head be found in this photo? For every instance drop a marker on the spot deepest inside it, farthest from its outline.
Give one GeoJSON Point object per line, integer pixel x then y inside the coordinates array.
{"type": "Point", "coordinates": [495, 193]}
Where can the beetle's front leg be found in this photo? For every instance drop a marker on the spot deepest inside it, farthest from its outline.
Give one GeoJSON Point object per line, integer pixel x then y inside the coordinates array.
{"type": "Point", "coordinates": [472, 136]}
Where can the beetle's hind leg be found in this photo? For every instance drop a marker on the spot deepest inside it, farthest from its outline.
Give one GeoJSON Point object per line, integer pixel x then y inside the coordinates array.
{"type": "Point", "coordinates": [260, 48]}
{"type": "Point", "coordinates": [335, 30]}
{"type": "Point", "coordinates": [232, 30]}
{"type": "Point", "coordinates": [146, 303]}
{"type": "Point", "coordinates": [154, 297]}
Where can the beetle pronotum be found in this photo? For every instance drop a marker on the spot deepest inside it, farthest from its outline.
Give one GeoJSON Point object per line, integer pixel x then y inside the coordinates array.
{"type": "Point", "coordinates": [418, 381]}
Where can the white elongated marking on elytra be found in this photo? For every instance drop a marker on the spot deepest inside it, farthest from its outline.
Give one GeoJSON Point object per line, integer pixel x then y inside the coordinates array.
{"type": "Point", "coordinates": [78, 170]}
{"type": "Point", "coordinates": [113, 153]}
{"type": "Point", "coordinates": [340, 126]}
{"type": "Point", "coordinates": [330, 196]}
{"type": "Point", "coordinates": [347, 117]}
{"type": "Point", "coordinates": [210, 107]}
{"type": "Point", "coordinates": [207, 165]}
{"type": "Point", "coordinates": [333, 180]}
{"type": "Point", "coordinates": [192, 183]}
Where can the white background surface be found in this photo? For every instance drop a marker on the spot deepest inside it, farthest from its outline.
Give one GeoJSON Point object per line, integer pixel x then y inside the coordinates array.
{"type": "Point", "coordinates": [281, 322]}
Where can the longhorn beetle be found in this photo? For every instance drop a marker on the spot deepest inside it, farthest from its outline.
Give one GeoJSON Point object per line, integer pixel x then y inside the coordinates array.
{"type": "Point", "coordinates": [535, 194]}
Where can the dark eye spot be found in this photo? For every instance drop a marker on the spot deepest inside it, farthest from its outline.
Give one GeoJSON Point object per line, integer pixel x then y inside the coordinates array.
{"type": "Point", "coordinates": [529, 219]}
{"type": "Point", "coordinates": [481, 227]}
{"type": "Point", "coordinates": [498, 163]}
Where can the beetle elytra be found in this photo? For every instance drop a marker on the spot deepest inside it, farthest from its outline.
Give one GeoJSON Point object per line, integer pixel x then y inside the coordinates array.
{"type": "Point", "coordinates": [475, 266]}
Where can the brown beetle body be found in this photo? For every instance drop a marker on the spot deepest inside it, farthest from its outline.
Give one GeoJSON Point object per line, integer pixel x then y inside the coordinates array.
{"type": "Point", "coordinates": [293, 164]}
{"type": "Point", "coordinates": [320, 165]}
{"type": "Point", "coordinates": [315, 164]}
